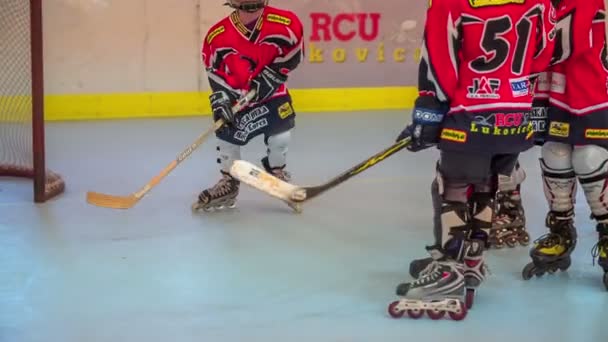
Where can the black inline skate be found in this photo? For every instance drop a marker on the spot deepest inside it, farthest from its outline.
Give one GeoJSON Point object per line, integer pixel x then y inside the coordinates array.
{"type": "Point", "coordinates": [438, 290]}
{"type": "Point", "coordinates": [600, 250]}
{"type": "Point", "coordinates": [220, 196]}
{"type": "Point", "coordinates": [423, 265]}
{"type": "Point", "coordinates": [551, 252]}
{"type": "Point", "coordinates": [509, 223]}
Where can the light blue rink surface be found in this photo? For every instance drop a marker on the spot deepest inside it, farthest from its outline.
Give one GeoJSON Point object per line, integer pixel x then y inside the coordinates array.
{"type": "Point", "coordinates": [157, 272]}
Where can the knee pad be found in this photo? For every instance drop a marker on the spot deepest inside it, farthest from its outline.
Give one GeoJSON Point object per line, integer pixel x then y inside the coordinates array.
{"type": "Point", "coordinates": [557, 156]}
{"type": "Point", "coordinates": [559, 179]}
{"type": "Point", "coordinates": [591, 167]}
{"type": "Point", "coordinates": [508, 183]}
{"type": "Point", "coordinates": [277, 146]}
{"type": "Point", "coordinates": [227, 153]}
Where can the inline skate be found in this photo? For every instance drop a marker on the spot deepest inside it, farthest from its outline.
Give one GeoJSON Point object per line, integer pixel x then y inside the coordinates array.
{"type": "Point", "coordinates": [220, 196]}
{"type": "Point", "coordinates": [600, 250]}
{"type": "Point", "coordinates": [283, 175]}
{"type": "Point", "coordinates": [439, 290]}
{"type": "Point", "coordinates": [509, 223]}
{"type": "Point", "coordinates": [551, 252]}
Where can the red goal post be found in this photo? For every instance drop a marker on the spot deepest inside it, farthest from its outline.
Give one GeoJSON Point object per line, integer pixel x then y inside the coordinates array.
{"type": "Point", "coordinates": [22, 126]}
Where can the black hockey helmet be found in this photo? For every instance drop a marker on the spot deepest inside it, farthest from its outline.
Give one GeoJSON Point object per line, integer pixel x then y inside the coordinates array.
{"type": "Point", "coordinates": [247, 5]}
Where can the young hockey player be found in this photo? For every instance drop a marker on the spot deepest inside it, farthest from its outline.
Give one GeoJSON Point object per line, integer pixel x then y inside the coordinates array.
{"type": "Point", "coordinates": [576, 141]}
{"type": "Point", "coordinates": [255, 47]}
{"type": "Point", "coordinates": [474, 100]}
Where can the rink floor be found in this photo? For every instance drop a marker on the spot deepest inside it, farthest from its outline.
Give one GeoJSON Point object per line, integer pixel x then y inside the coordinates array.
{"type": "Point", "coordinates": [71, 272]}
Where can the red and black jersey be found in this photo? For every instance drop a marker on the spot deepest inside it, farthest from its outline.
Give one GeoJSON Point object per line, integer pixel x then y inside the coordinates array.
{"type": "Point", "coordinates": [478, 55]}
{"type": "Point", "coordinates": [234, 52]}
{"type": "Point", "coordinates": [579, 77]}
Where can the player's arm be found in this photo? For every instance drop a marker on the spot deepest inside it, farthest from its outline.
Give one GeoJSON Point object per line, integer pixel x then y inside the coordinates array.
{"type": "Point", "coordinates": [280, 54]}
{"type": "Point", "coordinates": [438, 69]}
{"type": "Point", "coordinates": [437, 74]}
{"type": "Point", "coordinates": [223, 78]}
{"type": "Point", "coordinates": [545, 36]}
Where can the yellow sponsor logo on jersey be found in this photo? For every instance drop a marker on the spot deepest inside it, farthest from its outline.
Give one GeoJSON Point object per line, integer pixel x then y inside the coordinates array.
{"type": "Point", "coordinates": [596, 133]}
{"type": "Point", "coordinates": [285, 110]}
{"type": "Point", "coordinates": [486, 3]}
{"type": "Point", "coordinates": [559, 129]}
{"type": "Point", "coordinates": [211, 36]}
{"type": "Point", "coordinates": [275, 18]}
{"type": "Point", "coordinates": [454, 135]}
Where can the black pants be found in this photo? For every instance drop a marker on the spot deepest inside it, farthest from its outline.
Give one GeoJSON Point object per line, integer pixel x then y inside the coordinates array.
{"type": "Point", "coordinates": [475, 168]}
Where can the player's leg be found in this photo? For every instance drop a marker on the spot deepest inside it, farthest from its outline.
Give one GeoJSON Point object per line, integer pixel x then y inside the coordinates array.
{"type": "Point", "coordinates": [445, 276]}
{"type": "Point", "coordinates": [509, 220]}
{"type": "Point", "coordinates": [552, 251]}
{"type": "Point", "coordinates": [275, 161]}
{"type": "Point", "coordinates": [440, 287]}
{"type": "Point", "coordinates": [420, 265]}
{"type": "Point", "coordinates": [591, 167]}
{"type": "Point", "coordinates": [223, 194]}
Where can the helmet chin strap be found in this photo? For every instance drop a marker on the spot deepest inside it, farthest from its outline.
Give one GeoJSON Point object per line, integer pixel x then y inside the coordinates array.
{"type": "Point", "coordinates": [248, 7]}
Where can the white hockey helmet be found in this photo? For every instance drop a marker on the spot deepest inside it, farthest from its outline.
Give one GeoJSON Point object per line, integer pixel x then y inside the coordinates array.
{"type": "Point", "coordinates": [247, 5]}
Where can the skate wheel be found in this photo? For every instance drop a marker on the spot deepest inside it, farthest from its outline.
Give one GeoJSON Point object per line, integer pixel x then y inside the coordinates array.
{"type": "Point", "coordinates": [565, 264]}
{"type": "Point", "coordinates": [528, 271]}
{"type": "Point", "coordinates": [552, 270]}
{"type": "Point", "coordinates": [435, 314]}
{"type": "Point", "coordinates": [606, 280]}
{"type": "Point", "coordinates": [297, 207]}
{"type": "Point", "coordinates": [469, 298]}
{"type": "Point", "coordinates": [524, 240]}
{"type": "Point", "coordinates": [511, 243]}
{"type": "Point", "coordinates": [415, 313]}
{"type": "Point", "coordinates": [459, 316]}
{"type": "Point", "coordinates": [499, 244]}
{"type": "Point", "coordinates": [394, 311]}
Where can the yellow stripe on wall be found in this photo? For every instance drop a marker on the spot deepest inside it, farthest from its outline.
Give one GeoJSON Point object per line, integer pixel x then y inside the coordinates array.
{"type": "Point", "coordinates": [150, 105]}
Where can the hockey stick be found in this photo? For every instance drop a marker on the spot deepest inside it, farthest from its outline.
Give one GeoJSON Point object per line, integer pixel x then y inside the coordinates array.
{"type": "Point", "coordinates": [126, 202]}
{"type": "Point", "coordinates": [294, 194]}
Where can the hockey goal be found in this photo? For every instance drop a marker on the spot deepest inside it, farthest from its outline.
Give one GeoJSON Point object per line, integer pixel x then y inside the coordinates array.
{"type": "Point", "coordinates": [22, 98]}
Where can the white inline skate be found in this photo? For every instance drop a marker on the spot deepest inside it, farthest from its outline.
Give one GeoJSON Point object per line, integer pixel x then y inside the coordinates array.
{"type": "Point", "coordinates": [439, 290]}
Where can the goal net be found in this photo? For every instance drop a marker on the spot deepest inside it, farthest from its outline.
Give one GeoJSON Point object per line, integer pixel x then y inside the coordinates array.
{"type": "Point", "coordinates": [22, 97]}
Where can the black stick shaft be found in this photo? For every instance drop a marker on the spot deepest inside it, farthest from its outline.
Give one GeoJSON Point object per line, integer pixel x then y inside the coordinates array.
{"type": "Point", "coordinates": [357, 169]}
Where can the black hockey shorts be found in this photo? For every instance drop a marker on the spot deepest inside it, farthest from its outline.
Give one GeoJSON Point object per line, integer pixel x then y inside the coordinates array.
{"type": "Point", "coordinates": [487, 132]}
{"type": "Point", "coordinates": [269, 118]}
{"type": "Point", "coordinates": [587, 129]}
{"type": "Point", "coordinates": [474, 168]}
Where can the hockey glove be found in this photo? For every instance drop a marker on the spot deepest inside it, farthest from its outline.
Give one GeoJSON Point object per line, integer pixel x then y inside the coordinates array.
{"type": "Point", "coordinates": [266, 83]}
{"type": "Point", "coordinates": [221, 105]}
{"type": "Point", "coordinates": [424, 129]}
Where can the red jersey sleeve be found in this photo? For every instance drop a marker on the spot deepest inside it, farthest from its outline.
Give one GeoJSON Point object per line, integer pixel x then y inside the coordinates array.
{"type": "Point", "coordinates": [225, 68]}
{"type": "Point", "coordinates": [438, 69]}
{"type": "Point", "coordinates": [282, 48]}
{"type": "Point", "coordinates": [545, 38]}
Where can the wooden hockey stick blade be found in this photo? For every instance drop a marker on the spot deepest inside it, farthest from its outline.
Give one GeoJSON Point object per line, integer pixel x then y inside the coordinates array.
{"type": "Point", "coordinates": [307, 193]}
{"type": "Point", "coordinates": [258, 178]}
{"type": "Point", "coordinates": [126, 202]}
